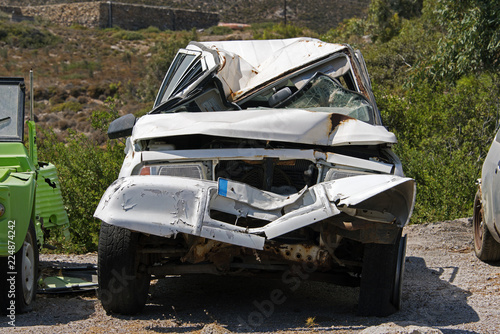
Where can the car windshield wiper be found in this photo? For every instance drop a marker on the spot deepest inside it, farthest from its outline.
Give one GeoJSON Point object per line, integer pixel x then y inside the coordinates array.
{"type": "Point", "coordinates": [169, 104]}
{"type": "Point", "coordinates": [5, 119]}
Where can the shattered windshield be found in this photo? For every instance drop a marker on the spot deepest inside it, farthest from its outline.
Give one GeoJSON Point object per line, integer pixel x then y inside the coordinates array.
{"type": "Point", "coordinates": [325, 94]}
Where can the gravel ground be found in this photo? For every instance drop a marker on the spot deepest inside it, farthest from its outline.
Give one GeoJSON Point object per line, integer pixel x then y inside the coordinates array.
{"type": "Point", "coordinates": [446, 290]}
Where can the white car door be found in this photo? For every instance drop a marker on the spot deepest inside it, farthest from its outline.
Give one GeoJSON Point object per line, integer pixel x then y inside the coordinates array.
{"type": "Point", "coordinates": [491, 188]}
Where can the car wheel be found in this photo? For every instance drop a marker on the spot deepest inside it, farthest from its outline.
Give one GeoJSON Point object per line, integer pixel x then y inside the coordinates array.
{"type": "Point", "coordinates": [23, 293]}
{"type": "Point", "coordinates": [382, 278]}
{"type": "Point", "coordinates": [485, 246]}
{"type": "Point", "coordinates": [122, 287]}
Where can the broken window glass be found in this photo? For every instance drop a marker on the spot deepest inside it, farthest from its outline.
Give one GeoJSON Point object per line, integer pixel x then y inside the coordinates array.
{"type": "Point", "coordinates": [325, 94]}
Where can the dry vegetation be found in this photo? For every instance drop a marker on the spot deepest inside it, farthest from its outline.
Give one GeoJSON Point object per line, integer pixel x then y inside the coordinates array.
{"type": "Point", "coordinates": [83, 67]}
{"type": "Point", "coordinates": [319, 15]}
{"type": "Point", "coordinates": [77, 69]}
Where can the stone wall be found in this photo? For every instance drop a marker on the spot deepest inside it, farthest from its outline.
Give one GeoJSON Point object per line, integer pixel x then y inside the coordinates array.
{"type": "Point", "coordinates": [134, 17]}
{"type": "Point", "coordinates": [112, 14]}
{"type": "Point", "coordinates": [87, 14]}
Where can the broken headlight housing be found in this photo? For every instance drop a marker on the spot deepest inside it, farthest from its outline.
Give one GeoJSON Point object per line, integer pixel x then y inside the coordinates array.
{"type": "Point", "coordinates": [191, 170]}
{"type": "Point", "coordinates": [337, 173]}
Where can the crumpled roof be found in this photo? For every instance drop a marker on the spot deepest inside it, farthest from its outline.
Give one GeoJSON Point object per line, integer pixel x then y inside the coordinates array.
{"type": "Point", "coordinates": [249, 64]}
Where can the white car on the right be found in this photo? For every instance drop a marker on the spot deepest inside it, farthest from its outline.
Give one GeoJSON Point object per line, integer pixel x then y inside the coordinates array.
{"type": "Point", "coordinates": [486, 217]}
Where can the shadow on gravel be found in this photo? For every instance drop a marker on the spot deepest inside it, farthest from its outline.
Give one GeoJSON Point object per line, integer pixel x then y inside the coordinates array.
{"type": "Point", "coordinates": [49, 310]}
{"type": "Point", "coordinates": [61, 308]}
{"type": "Point", "coordinates": [431, 298]}
{"type": "Point", "coordinates": [243, 304]}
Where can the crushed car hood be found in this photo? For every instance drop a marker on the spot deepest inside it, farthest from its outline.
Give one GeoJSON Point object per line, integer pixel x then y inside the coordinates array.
{"type": "Point", "coordinates": [249, 64]}
{"type": "Point", "coordinates": [285, 125]}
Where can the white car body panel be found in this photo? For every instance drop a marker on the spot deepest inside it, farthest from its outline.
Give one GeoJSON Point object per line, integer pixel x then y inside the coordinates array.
{"type": "Point", "coordinates": [490, 185]}
{"type": "Point", "coordinates": [165, 206]}
{"type": "Point", "coordinates": [290, 125]}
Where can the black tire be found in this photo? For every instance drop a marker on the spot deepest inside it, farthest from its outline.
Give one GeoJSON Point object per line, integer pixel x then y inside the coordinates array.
{"type": "Point", "coordinates": [382, 278]}
{"type": "Point", "coordinates": [23, 293]}
{"type": "Point", "coordinates": [485, 246]}
{"type": "Point", "coordinates": [122, 288]}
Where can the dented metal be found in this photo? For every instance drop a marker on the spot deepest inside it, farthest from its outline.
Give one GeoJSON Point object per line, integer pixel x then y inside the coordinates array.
{"type": "Point", "coordinates": [288, 125]}
{"type": "Point", "coordinates": [165, 206]}
{"type": "Point", "coordinates": [258, 154]}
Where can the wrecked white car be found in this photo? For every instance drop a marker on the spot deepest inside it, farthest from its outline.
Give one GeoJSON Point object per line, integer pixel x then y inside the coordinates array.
{"type": "Point", "coordinates": [258, 156]}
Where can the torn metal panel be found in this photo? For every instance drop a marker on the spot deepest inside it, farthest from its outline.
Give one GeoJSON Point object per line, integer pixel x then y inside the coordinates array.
{"type": "Point", "coordinates": [286, 125]}
{"type": "Point", "coordinates": [241, 192]}
{"type": "Point", "coordinates": [156, 205]}
{"type": "Point", "coordinates": [165, 206]}
{"type": "Point", "coordinates": [332, 197]}
{"type": "Point", "coordinates": [248, 64]}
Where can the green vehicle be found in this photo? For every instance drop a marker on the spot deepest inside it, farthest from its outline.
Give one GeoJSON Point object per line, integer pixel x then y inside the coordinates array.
{"type": "Point", "coordinates": [30, 202]}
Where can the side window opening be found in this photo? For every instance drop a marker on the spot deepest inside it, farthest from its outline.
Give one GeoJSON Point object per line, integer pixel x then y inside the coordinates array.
{"type": "Point", "coordinates": [346, 81]}
{"type": "Point", "coordinates": [185, 68]}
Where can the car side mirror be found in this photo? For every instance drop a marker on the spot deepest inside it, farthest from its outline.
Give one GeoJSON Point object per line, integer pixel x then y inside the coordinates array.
{"type": "Point", "coordinates": [121, 127]}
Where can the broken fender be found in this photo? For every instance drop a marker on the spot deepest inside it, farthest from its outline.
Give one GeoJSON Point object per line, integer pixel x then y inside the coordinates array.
{"type": "Point", "coordinates": [165, 206]}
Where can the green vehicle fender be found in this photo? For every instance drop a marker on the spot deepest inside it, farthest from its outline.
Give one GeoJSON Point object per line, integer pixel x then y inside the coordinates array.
{"type": "Point", "coordinates": [29, 190]}
{"type": "Point", "coordinates": [16, 196]}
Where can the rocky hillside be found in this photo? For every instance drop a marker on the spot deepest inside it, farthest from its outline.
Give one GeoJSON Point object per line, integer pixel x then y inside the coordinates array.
{"type": "Point", "coordinates": [77, 69]}
{"type": "Point", "coordinates": [319, 15]}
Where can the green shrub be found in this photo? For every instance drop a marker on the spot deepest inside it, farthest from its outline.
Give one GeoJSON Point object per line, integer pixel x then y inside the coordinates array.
{"type": "Point", "coordinates": [85, 170]}
{"type": "Point", "coordinates": [472, 40]}
{"type": "Point", "coordinates": [57, 95]}
{"type": "Point", "coordinates": [4, 53]}
{"type": "Point", "coordinates": [70, 105]}
{"type": "Point", "coordinates": [95, 91]}
{"type": "Point", "coordinates": [128, 35]}
{"type": "Point", "coordinates": [77, 26]}
{"type": "Point", "coordinates": [218, 30]}
{"type": "Point", "coordinates": [444, 134]}
{"type": "Point", "coordinates": [26, 35]}
{"type": "Point", "coordinates": [150, 30]}
{"type": "Point", "coordinates": [280, 30]}
{"type": "Point", "coordinates": [350, 31]}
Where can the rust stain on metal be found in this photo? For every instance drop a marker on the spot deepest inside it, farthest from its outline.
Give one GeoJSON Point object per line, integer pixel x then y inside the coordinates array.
{"type": "Point", "coordinates": [355, 69]}
{"type": "Point", "coordinates": [234, 95]}
{"type": "Point", "coordinates": [301, 253]}
{"type": "Point", "coordinates": [336, 120]}
{"type": "Point", "coordinates": [223, 61]}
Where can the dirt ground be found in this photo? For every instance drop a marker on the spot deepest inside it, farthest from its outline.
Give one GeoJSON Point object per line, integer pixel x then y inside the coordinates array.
{"type": "Point", "coordinates": [446, 290]}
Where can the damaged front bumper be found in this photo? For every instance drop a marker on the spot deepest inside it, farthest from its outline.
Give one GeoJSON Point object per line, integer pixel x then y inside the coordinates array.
{"type": "Point", "coordinates": [165, 206]}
